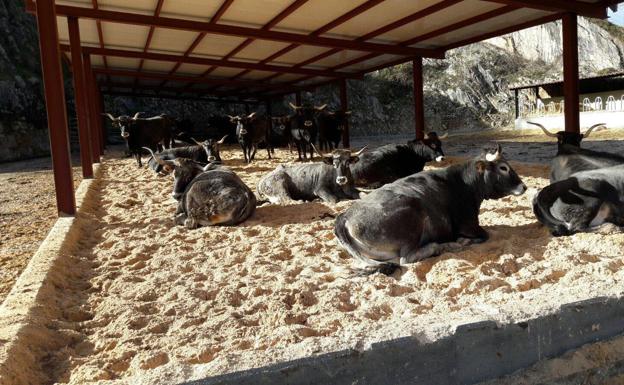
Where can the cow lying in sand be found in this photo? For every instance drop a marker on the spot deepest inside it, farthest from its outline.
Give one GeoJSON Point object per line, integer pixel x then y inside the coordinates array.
{"type": "Point", "coordinates": [425, 214]}
{"type": "Point", "coordinates": [583, 202]}
{"type": "Point", "coordinates": [203, 152]}
{"type": "Point", "coordinates": [330, 180]}
{"type": "Point", "coordinates": [208, 195]}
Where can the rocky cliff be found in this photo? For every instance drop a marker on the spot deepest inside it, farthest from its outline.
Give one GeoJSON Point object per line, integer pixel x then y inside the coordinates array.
{"type": "Point", "coordinates": [468, 90]}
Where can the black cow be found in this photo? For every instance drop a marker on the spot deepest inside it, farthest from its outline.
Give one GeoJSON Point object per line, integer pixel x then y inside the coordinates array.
{"type": "Point", "coordinates": [571, 158]}
{"type": "Point", "coordinates": [425, 214]}
{"type": "Point", "coordinates": [204, 152]}
{"type": "Point", "coordinates": [394, 161]}
{"type": "Point", "coordinates": [330, 180]}
{"type": "Point", "coordinates": [208, 195]}
{"type": "Point", "coordinates": [582, 202]}
{"type": "Point", "coordinates": [154, 132]}
{"type": "Point", "coordinates": [281, 131]}
{"type": "Point", "coordinates": [252, 130]}
{"type": "Point", "coordinates": [331, 125]}
{"type": "Point", "coordinates": [304, 128]}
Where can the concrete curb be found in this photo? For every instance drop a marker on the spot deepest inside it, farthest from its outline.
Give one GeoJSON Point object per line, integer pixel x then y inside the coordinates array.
{"type": "Point", "coordinates": [25, 337]}
{"type": "Point", "coordinates": [476, 352]}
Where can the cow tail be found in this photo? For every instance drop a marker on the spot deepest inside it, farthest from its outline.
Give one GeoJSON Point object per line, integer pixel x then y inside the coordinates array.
{"type": "Point", "coordinates": [541, 209]}
{"type": "Point", "coordinates": [345, 239]}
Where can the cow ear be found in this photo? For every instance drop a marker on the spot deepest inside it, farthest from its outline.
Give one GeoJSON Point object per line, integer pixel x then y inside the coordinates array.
{"type": "Point", "coordinates": [354, 159]}
{"type": "Point", "coordinates": [328, 159]}
{"type": "Point", "coordinates": [481, 166]}
{"type": "Point", "coordinates": [168, 168]}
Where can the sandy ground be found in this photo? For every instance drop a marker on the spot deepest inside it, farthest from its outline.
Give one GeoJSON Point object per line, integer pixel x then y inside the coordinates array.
{"type": "Point", "coordinates": [148, 302]}
{"type": "Point", "coordinates": [27, 212]}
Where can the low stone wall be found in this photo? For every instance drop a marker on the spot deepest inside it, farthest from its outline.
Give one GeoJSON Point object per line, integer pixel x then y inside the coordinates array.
{"type": "Point", "coordinates": [22, 140]}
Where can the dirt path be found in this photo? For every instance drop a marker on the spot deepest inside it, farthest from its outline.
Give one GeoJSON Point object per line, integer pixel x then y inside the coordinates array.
{"type": "Point", "coordinates": [27, 212]}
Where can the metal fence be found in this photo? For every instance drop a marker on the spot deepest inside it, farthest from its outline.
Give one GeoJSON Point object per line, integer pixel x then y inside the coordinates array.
{"type": "Point", "coordinates": [556, 108]}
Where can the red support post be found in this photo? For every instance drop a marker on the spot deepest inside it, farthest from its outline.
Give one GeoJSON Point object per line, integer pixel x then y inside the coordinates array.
{"type": "Point", "coordinates": [102, 127]}
{"type": "Point", "coordinates": [571, 73]}
{"type": "Point", "coordinates": [96, 145]}
{"type": "Point", "coordinates": [55, 106]}
{"type": "Point", "coordinates": [419, 99]}
{"type": "Point", "coordinates": [80, 97]}
{"type": "Point", "coordinates": [344, 105]}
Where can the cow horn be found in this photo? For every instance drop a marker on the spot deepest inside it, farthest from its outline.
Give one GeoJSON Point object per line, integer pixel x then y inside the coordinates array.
{"type": "Point", "coordinates": [157, 158]}
{"type": "Point", "coordinates": [347, 112]}
{"type": "Point", "coordinates": [251, 115]}
{"type": "Point", "coordinates": [360, 152]}
{"type": "Point", "coordinates": [495, 156]}
{"type": "Point", "coordinates": [317, 151]}
{"type": "Point", "coordinates": [222, 140]}
{"type": "Point", "coordinates": [294, 107]}
{"type": "Point", "coordinates": [195, 140]}
{"type": "Point", "coordinates": [136, 116]}
{"type": "Point", "coordinates": [590, 129]}
{"type": "Point", "coordinates": [231, 117]}
{"type": "Point", "coordinates": [111, 117]}
{"type": "Point", "coordinates": [321, 108]}
{"type": "Point", "coordinates": [443, 136]}
{"type": "Point", "coordinates": [544, 129]}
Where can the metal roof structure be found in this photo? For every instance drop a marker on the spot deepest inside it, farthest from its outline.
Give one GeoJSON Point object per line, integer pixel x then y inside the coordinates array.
{"type": "Point", "coordinates": [259, 48]}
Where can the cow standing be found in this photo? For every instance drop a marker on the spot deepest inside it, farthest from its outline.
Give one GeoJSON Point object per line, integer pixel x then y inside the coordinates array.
{"type": "Point", "coordinates": [331, 125]}
{"type": "Point", "coordinates": [208, 195]}
{"type": "Point", "coordinates": [252, 130]}
{"type": "Point", "coordinates": [425, 214]}
{"type": "Point", "coordinates": [154, 132]}
{"type": "Point", "coordinates": [582, 202]}
{"type": "Point", "coordinates": [330, 180]}
{"type": "Point", "coordinates": [281, 131]}
{"type": "Point", "coordinates": [394, 161]}
{"type": "Point", "coordinates": [304, 128]}
{"type": "Point", "coordinates": [571, 158]}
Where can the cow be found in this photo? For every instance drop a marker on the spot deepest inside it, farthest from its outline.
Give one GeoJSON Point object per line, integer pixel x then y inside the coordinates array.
{"type": "Point", "coordinates": [394, 161]}
{"type": "Point", "coordinates": [329, 180]}
{"type": "Point", "coordinates": [204, 152]}
{"type": "Point", "coordinates": [154, 132]}
{"type": "Point", "coordinates": [281, 131]}
{"type": "Point", "coordinates": [571, 158]}
{"type": "Point", "coordinates": [425, 214]}
{"type": "Point", "coordinates": [304, 129]}
{"type": "Point", "coordinates": [252, 130]}
{"type": "Point", "coordinates": [583, 202]}
{"type": "Point", "coordinates": [207, 195]}
{"type": "Point", "coordinates": [331, 125]}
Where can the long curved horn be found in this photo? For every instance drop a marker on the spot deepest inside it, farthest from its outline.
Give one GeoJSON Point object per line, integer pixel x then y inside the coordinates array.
{"type": "Point", "coordinates": [590, 129]}
{"type": "Point", "coordinates": [195, 140]}
{"type": "Point", "coordinates": [544, 129]}
{"type": "Point", "coordinates": [321, 108]}
{"type": "Point", "coordinates": [231, 117]}
{"type": "Point", "coordinates": [361, 151]}
{"type": "Point", "coordinates": [444, 136]}
{"type": "Point", "coordinates": [111, 117]}
{"type": "Point", "coordinates": [347, 112]}
{"type": "Point", "coordinates": [222, 140]}
{"type": "Point", "coordinates": [136, 116]}
{"type": "Point", "coordinates": [251, 115]}
{"type": "Point", "coordinates": [294, 107]}
{"type": "Point", "coordinates": [317, 151]}
{"type": "Point", "coordinates": [157, 158]}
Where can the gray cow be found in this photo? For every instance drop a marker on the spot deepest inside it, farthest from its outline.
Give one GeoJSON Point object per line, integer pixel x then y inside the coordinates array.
{"type": "Point", "coordinates": [208, 195]}
{"type": "Point", "coordinates": [425, 214]}
{"type": "Point", "coordinates": [584, 201]}
{"type": "Point", "coordinates": [330, 180]}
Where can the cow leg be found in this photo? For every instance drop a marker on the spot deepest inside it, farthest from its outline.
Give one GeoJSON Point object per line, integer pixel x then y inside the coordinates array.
{"type": "Point", "coordinates": [253, 152]}
{"type": "Point", "coordinates": [179, 219]}
{"type": "Point", "coordinates": [327, 196]}
{"type": "Point", "coordinates": [299, 152]}
{"type": "Point", "coordinates": [472, 232]}
{"type": "Point", "coordinates": [138, 159]}
{"type": "Point", "coordinates": [269, 150]}
{"type": "Point", "coordinates": [311, 152]}
{"type": "Point", "coordinates": [191, 223]}
{"type": "Point", "coordinates": [414, 254]}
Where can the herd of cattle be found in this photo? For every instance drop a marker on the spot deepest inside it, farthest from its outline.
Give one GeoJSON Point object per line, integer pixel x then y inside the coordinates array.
{"type": "Point", "coordinates": [409, 215]}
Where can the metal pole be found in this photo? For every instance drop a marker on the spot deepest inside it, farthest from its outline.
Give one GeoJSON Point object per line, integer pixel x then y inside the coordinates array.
{"type": "Point", "coordinates": [571, 73]}
{"type": "Point", "coordinates": [80, 97]}
{"type": "Point", "coordinates": [102, 127]}
{"type": "Point", "coordinates": [55, 106]}
{"type": "Point", "coordinates": [96, 145]}
{"type": "Point", "coordinates": [419, 98]}
{"type": "Point", "coordinates": [344, 106]}
{"type": "Point", "coordinates": [517, 96]}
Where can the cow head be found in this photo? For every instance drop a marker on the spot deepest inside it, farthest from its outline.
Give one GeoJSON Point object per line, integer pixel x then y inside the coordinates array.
{"type": "Point", "coordinates": [211, 146]}
{"type": "Point", "coordinates": [281, 122]}
{"type": "Point", "coordinates": [123, 122]}
{"type": "Point", "coordinates": [340, 117]}
{"type": "Point", "coordinates": [498, 178]}
{"type": "Point", "coordinates": [340, 159]}
{"type": "Point", "coordinates": [241, 122]}
{"type": "Point", "coordinates": [305, 115]}
{"type": "Point", "coordinates": [184, 171]}
{"type": "Point", "coordinates": [571, 138]}
{"type": "Point", "coordinates": [430, 147]}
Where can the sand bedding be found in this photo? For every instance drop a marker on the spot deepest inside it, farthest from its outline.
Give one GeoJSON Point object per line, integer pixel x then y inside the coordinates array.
{"type": "Point", "coordinates": [146, 302]}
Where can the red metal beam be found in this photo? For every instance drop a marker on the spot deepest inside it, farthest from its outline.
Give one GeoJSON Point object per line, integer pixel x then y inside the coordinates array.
{"type": "Point", "coordinates": [232, 30]}
{"type": "Point", "coordinates": [344, 105]}
{"type": "Point", "coordinates": [95, 129]}
{"type": "Point", "coordinates": [597, 10]}
{"type": "Point", "coordinates": [55, 106]}
{"type": "Point", "coordinates": [80, 97]}
{"type": "Point", "coordinates": [206, 61]}
{"type": "Point", "coordinates": [158, 88]}
{"type": "Point", "coordinates": [150, 35]}
{"type": "Point", "coordinates": [571, 73]}
{"type": "Point", "coordinates": [177, 97]}
{"type": "Point", "coordinates": [419, 98]}
{"type": "Point", "coordinates": [99, 31]}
